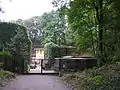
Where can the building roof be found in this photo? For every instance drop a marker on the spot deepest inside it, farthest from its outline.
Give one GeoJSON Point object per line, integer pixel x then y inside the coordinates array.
{"type": "Point", "coordinates": [38, 48]}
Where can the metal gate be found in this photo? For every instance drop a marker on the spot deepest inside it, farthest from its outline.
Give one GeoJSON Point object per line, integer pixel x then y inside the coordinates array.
{"type": "Point", "coordinates": [42, 68]}
{"type": "Point", "coordinates": [46, 68]}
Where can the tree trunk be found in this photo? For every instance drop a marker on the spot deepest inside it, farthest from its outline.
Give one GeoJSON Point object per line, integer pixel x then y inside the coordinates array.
{"type": "Point", "coordinates": [101, 32]}
{"type": "Point", "coordinates": [99, 16]}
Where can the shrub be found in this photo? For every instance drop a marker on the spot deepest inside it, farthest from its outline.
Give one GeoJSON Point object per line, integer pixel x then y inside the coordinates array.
{"type": "Point", "coordinates": [106, 77]}
{"type": "Point", "coordinates": [6, 75]}
{"type": "Point", "coordinates": [6, 60]}
{"type": "Point", "coordinates": [14, 38]}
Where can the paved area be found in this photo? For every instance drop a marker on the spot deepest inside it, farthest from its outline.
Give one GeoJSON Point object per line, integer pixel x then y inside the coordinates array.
{"type": "Point", "coordinates": [38, 70]}
{"type": "Point", "coordinates": [36, 82]}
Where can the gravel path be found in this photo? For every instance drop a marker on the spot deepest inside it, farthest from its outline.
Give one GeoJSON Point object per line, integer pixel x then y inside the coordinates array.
{"type": "Point", "coordinates": [36, 82]}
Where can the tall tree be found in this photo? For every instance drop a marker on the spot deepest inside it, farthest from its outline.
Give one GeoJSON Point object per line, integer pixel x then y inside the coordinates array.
{"type": "Point", "coordinates": [54, 26]}
{"type": "Point", "coordinates": [93, 22]}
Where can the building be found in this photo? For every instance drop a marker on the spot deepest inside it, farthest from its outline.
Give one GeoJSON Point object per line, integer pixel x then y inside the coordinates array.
{"type": "Point", "coordinates": [39, 52]}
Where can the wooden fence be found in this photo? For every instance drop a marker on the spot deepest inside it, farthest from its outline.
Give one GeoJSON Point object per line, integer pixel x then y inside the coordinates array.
{"type": "Point", "coordinates": [74, 63]}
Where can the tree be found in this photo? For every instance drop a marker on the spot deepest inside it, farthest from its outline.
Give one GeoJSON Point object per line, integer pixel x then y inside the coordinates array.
{"type": "Point", "coordinates": [54, 26]}
{"type": "Point", "coordinates": [93, 22]}
{"type": "Point", "coordinates": [14, 38]}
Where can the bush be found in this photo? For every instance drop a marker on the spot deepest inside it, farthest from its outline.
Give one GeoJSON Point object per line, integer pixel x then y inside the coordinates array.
{"type": "Point", "coordinates": [6, 61]}
{"type": "Point", "coordinates": [106, 77]}
{"type": "Point", "coordinates": [6, 75]}
{"type": "Point", "coordinates": [14, 38]}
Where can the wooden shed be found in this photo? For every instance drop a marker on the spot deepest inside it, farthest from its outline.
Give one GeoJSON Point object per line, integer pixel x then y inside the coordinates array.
{"type": "Point", "coordinates": [74, 63]}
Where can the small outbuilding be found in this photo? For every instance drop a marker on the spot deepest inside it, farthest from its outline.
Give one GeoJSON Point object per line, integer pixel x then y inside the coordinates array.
{"type": "Point", "coordinates": [70, 63]}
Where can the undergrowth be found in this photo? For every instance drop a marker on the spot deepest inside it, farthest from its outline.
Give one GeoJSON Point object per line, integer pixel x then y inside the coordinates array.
{"type": "Point", "coordinates": [106, 77]}
{"type": "Point", "coordinates": [5, 76]}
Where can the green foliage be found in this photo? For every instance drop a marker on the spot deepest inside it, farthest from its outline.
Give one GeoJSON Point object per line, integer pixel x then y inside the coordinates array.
{"type": "Point", "coordinates": [96, 81]}
{"type": "Point", "coordinates": [103, 78]}
{"type": "Point", "coordinates": [6, 75]}
{"type": "Point", "coordinates": [50, 52]}
{"type": "Point", "coordinates": [35, 30]}
{"type": "Point", "coordinates": [95, 27]}
{"type": "Point", "coordinates": [4, 53]}
{"type": "Point", "coordinates": [21, 44]}
{"type": "Point", "coordinates": [46, 28]}
{"type": "Point", "coordinates": [6, 33]}
{"type": "Point", "coordinates": [108, 77]}
{"type": "Point", "coordinates": [54, 26]}
{"type": "Point", "coordinates": [14, 39]}
{"type": "Point", "coordinates": [82, 25]}
{"type": "Point", "coordinates": [6, 61]}
{"type": "Point", "coordinates": [93, 23]}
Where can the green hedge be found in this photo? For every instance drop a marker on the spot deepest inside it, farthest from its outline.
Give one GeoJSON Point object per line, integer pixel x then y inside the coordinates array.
{"type": "Point", "coordinates": [14, 38]}
{"type": "Point", "coordinates": [6, 61]}
{"type": "Point", "coordinates": [51, 50]}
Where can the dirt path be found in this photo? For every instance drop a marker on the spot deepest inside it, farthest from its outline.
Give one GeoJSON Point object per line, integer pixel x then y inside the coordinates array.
{"type": "Point", "coordinates": [36, 82]}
